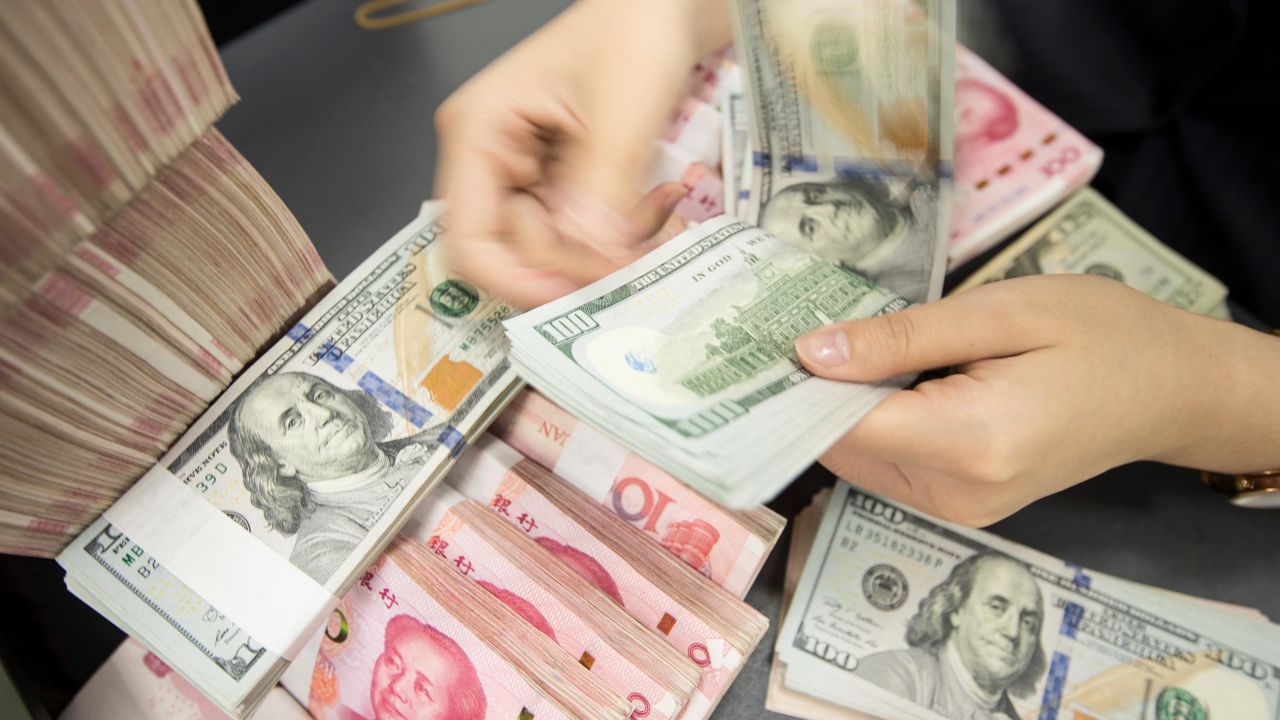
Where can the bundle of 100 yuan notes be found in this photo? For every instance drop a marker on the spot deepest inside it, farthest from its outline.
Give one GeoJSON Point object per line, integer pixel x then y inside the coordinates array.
{"type": "Point", "coordinates": [145, 262]}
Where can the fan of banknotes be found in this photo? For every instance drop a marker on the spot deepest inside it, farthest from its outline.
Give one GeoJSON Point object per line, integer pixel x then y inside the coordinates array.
{"type": "Point", "coordinates": [145, 262]}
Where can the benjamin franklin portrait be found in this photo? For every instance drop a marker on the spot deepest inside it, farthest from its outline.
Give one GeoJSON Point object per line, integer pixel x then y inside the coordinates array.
{"type": "Point", "coordinates": [314, 463]}
{"type": "Point", "coordinates": [856, 223]}
{"type": "Point", "coordinates": [973, 644]}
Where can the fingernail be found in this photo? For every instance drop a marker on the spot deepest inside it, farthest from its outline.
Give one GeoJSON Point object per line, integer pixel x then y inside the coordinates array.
{"type": "Point", "coordinates": [824, 348]}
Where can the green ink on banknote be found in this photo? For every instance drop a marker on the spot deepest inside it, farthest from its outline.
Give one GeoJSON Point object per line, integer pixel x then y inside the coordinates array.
{"type": "Point", "coordinates": [762, 333]}
{"type": "Point", "coordinates": [834, 47]}
{"type": "Point", "coordinates": [1174, 703]}
{"type": "Point", "coordinates": [344, 629]}
{"type": "Point", "coordinates": [454, 299]}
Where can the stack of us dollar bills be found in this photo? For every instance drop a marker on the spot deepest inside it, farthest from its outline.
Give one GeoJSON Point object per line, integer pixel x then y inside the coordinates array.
{"type": "Point", "coordinates": [889, 613]}
{"type": "Point", "coordinates": [313, 460]}
{"type": "Point", "coordinates": [686, 356]}
{"type": "Point", "coordinates": [318, 452]}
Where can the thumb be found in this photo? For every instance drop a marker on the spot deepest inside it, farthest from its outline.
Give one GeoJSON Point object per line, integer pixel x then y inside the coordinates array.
{"type": "Point", "coordinates": [986, 322]}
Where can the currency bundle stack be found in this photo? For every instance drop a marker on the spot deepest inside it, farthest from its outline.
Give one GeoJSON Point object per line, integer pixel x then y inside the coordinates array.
{"type": "Point", "coordinates": [417, 639]}
{"type": "Point", "coordinates": [728, 546]}
{"type": "Point", "coordinates": [663, 639]}
{"type": "Point", "coordinates": [95, 98]}
{"type": "Point", "coordinates": [670, 603]}
{"type": "Point", "coordinates": [891, 614]}
{"type": "Point", "coordinates": [300, 472]}
{"type": "Point", "coordinates": [686, 357]}
{"type": "Point", "coordinates": [298, 476]}
{"type": "Point", "coordinates": [145, 262]}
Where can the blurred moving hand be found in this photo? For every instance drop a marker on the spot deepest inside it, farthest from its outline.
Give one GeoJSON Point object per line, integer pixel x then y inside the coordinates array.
{"type": "Point", "coordinates": [1057, 378]}
{"type": "Point", "coordinates": [542, 151]}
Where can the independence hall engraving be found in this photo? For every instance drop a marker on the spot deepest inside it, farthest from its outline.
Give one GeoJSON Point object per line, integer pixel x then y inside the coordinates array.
{"type": "Point", "coordinates": [789, 305]}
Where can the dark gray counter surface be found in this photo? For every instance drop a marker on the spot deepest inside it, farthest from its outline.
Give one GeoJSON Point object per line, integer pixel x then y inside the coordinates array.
{"type": "Point", "coordinates": [339, 120]}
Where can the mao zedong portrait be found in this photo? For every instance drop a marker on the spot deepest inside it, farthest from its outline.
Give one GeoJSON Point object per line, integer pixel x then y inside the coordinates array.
{"type": "Point", "coordinates": [973, 644]}
{"type": "Point", "coordinates": [984, 115]}
{"type": "Point", "coordinates": [313, 464]}
{"type": "Point", "coordinates": [855, 223]}
{"type": "Point", "coordinates": [422, 674]}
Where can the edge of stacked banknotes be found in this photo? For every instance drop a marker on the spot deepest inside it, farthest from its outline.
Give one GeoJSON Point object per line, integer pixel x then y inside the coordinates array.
{"type": "Point", "coordinates": [889, 613]}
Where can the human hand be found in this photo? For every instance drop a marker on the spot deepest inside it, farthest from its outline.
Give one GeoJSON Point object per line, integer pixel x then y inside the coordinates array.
{"type": "Point", "coordinates": [1059, 378]}
{"type": "Point", "coordinates": [542, 151]}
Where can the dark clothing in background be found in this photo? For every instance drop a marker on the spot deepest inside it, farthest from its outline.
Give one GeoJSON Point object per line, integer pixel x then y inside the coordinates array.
{"type": "Point", "coordinates": [1184, 98]}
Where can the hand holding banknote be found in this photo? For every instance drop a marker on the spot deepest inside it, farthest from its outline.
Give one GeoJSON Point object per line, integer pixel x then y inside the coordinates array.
{"type": "Point", "coordinates": [1058, 378]}
{"type": "Point", "coordinates": [541, 152]}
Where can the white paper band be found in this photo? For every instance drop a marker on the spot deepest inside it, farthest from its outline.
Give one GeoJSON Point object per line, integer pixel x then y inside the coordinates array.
{"type": "Point", "coordinates": [591, 461]}
{"type": "Point", "coordinates": [297, 677]}
{"type": "Point", "coordinates": [264, 594]}
{"type": "Point", "coordinates": [424, 521]}
{"type": "Point", "coordinates": [482, 468]}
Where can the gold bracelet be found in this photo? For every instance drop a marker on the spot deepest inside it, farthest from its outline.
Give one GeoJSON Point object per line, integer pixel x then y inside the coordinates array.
{"type": "Point", "coordinates": [1259, 490]}
{"type": "Point", "coordinates": [1252, 490]}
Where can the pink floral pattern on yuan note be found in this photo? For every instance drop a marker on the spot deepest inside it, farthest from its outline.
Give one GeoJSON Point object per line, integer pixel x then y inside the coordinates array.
{"type": "Point", "coordinates": [391, 652]}
{"type": "Point", "coordinates": [525, 507]}
{"type": "Point", "coordinates": [469, 551]}
{"type": "Point", "coordinates": [635, 490]}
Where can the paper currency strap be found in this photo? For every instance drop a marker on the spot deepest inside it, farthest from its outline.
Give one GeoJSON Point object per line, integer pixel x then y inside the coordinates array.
{"type": "Point", "coordinates": [278, 605]}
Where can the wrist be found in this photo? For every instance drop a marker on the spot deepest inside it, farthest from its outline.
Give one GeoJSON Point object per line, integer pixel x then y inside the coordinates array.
{"type": "Point", "coordinates": [1229, 416]}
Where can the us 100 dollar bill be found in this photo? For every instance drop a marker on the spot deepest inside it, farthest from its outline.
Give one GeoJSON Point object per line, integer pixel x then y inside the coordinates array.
{"type": "Point", "coordinates": [1088, 234]}
{"type": "Point", "coordinates": [901, 616]}
{"type": "Point", "coordinates": [318, 450]}
{"type": "Point", "coordinates": [851, 121]}
{"type": "Point", "coordinates": [686, 356]}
